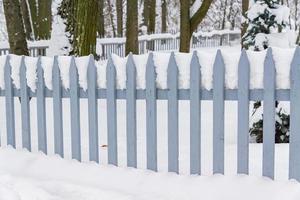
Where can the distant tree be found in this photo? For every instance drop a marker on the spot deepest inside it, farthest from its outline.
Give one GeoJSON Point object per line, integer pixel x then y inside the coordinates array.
{"type": "Point", "coordinates": [164, 16]}
{"type": "Point", "coordinates": [146, 12]}
{"type": "Point", "coordinates": [189, 23]}
{"type": "Point", "coordinates": [245, 7]}
{"type": "Point", "coordinates": [119, 6]}
{"type": "Point", "coordinates": [86, 27]}
{"type": "Point", "coordinates": [132, 27]}
{"type": "Point", "coordinates": [152, 16]}
{"type": "Point", "coordinates": [15, 27]}
{"type": "Point", "coordinates": [26, 20]}
{"type": "Point", "coordinates": [100, 25]}
{"type": "Point", "coordinates": [111, 11]}
{"type": "Point", "coordinates": [67, 11]}
{"type": "Point", "coordinates": [33, 16]}
{"type": "Point", "coordinates": [44, 20]}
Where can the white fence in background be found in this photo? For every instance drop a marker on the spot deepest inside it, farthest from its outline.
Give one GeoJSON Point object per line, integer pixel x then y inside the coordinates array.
{"type": "Point", "coordinates": [36, 48]}
{"type": "Point", "coordinates": [167, 42]}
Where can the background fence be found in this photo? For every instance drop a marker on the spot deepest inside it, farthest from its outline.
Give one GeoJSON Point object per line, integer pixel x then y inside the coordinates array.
{"type": "Point", "coordinates": [167, 42]}
{"type": "Point", "coordinates": [33, 51]}
{"type": "Point", "coordinates": [151, 94]}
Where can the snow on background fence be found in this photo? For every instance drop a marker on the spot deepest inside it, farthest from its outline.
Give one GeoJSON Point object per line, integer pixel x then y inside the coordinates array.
{"type": "Point", "coordinates": [77, 107]}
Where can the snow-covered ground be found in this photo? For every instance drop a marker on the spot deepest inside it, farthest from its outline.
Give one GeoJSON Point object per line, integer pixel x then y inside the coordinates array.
{"type": "Point", "coordinates": [26, 176]}
{"type": "Point", "coordinates": [35, 176]}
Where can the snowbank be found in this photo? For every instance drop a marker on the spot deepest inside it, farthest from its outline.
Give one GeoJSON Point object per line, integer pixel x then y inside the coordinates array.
{"type": "Point", "coordinates": [282, 59]}
{"type": "Point", "coordinates": [30, 176]}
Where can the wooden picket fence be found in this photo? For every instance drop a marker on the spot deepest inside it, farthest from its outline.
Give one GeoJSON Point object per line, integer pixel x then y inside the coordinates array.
{"type": "Point", "coordinates": [151, 94]}
{"type": "Point", "coordinates": [166, 42]}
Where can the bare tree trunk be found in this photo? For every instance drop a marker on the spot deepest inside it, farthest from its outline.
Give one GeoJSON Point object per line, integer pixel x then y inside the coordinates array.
{"type": "Point", "coordinates": [163, 16]}
{"type": "Point", "coordinates": [152, 16]}
{"type": "Point", "coordinates": [26, 19]}
{"type": "Point", "coordinates": [132, 27]}
{"type": "Point", "coordinates": [245, 6]}
{"type": "Point", "coordinates": [34, 17]}
{"type": "Point", "coordinates": [86, 27]}
{"type": "Point", "coordinates": [296, 14]}
{"type": "Point", "coordinates": [111, 16]}
{"type": "Point", "coordinates": [44, 19]}
{"type": "Point", "coordinates": [146, 12]}
{"type": "Point", "coordinates": [224, 15]}
{"type": "Point", "coordinates": [185, 26]}
{"type": "Point", "coordinates": [189, 24]}
{"type": "Point", "coordinates": [100, 25]}
{"type": "Point", "coordinates": [119, 18]}
{"type": "Point", "coordinates": [15, 27]}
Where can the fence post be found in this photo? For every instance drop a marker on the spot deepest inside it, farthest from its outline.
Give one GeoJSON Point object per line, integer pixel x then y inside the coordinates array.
{"type": "Point", "coordinates": [269, 116]}
{"type": "Point", "coordinates": [111, 113]}
{"type": "Point", "coordinates": [25, 109]}
{"type": "Point", "coordinates": [9, 104]}
{"type": "Point", "coordinates": [131, 112]}
{"type": "Point", "coordinates": [294, 160]}
{"type": "Point", "coordinates": [173, 142]}
{"type": "Point", "coordinates": [93, 110]}
{"type": "Point", "coordinates": [243, 114]}
{"type": "Point", "coordinates": [195, 116]}
{"type": "Point", "coordinates": [75, 111]}
{"type": "Point", "coordinates": [151, 125]}
{"type": "Point", "coordinates": [41, 108]}
{"type": "Point", "coordinates": [218, 114]}
{"type": "Point", "coordinates": [57, 109]}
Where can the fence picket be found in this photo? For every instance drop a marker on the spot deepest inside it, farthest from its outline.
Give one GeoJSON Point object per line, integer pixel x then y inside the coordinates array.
{"type": "Point", "coordinates": [111, 113]}
{"type": "Point", "coordinates": [57, 109]}
{"type": "Point", "coordinates": [131, 112]}
{"type": "Point", "coordinates": [218, 114]}
{"type": "Point", "coordinates": [195, 116]}
{"type": "Point", "coordinates": [41, 108]}
{"type": "Point", "coordinates": [294, 160]}
{"type": "Point", "coordinates": [10, 106]}
{"type": "Point", "coordinates": [25, 109]}
{"type": "Point", "coordinates": [93, 110]}
{"type": "Point", "coordinates": [151, 109]}
{"type": "Point", "coordinates": [269, 116]}
{"type": "Point", "coordinates": [243, 114]}
{"type": "Point", "coordinates": [75, 112]}
{"type": "Point", "coordinates": [173, 142]}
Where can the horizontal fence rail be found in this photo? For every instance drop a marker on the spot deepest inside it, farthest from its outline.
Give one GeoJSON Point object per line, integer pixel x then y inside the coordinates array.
{"type": "Point", "coordinates": [33, 51]}
{"type": "Point", "coordinates": [166, 42]}
{"type": "Point", "coordinates": [151, 94]}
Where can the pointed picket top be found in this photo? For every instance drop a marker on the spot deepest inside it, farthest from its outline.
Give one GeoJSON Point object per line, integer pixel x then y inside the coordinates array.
{"type": "Point", "coordinates": [22, 69]}
{"type": "Point", "coordinates": [55, 67]}
{"type": "Point", "coordinates": [130, 65]}
{"type": "Point", "coordinates": [39, 67]}
{"type": "Point", "coordinates": [150, 63]}
{"type": "Point", "coordinates": [219, 62]}
{"type": "Point", "coordinates": [110, 67]}
{"type": "Point", "coordinates": [244, 63]}
{"type": "Point", "coordinates": [295, 65]}
{"type": "Point", "coordinates": [73, 69]}
{"type": "Point", "coordinates": [195, 62]}
{"type": "Point", "coordinates": [172, 68]}
{"type": "Point", "coordinates": [91, 63]}
{"type": "Point", "coordinates": [269, 64]}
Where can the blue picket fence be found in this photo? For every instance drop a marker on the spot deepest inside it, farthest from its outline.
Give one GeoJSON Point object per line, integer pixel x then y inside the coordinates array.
{"type": "Point", "coordinates": [151, 94]}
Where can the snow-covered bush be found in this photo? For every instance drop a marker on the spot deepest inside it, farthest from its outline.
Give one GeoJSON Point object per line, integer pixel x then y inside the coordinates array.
{"type": "Point", "coordinates": [264, 16]}
{"type": "Point", "coordinates": [266, 20]}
